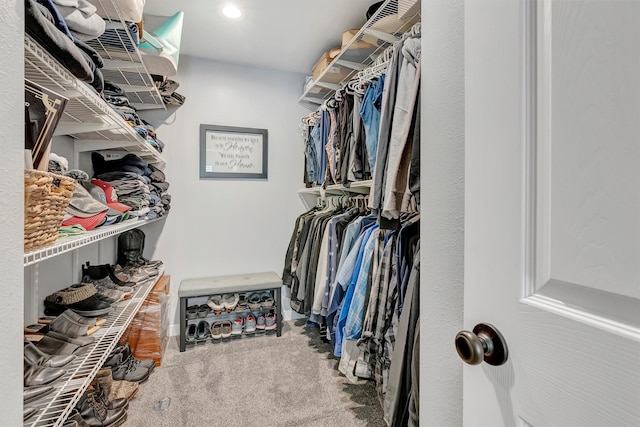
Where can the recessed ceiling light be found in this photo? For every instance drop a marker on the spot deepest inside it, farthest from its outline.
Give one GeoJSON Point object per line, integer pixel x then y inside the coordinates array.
{"type": "Point", "coordinates": [232, 11]}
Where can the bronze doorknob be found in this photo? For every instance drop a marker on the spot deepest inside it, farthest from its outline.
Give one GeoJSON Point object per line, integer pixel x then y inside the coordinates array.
{"type": "Point", "coordinates": [484, 343]}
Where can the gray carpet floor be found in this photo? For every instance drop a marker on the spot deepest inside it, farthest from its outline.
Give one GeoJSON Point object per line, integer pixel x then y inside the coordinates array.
{"type": "Point", "coordinates": [288, 381]}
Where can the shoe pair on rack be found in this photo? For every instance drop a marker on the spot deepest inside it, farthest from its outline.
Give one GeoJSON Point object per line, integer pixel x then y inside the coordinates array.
{"type": "Point", "coordinates": [260, 300]}
{"type": "Point", "coordinates": [68, 323]}
{"type": "Point", "coordinates": [83, 298]}
{"type": "Point", "coordinates": [226, 302]}
{"type": "Point", "coordinates": [42, 369]}
{"type": "Point", "coordinates": [105, 275]}
{"type": "Point", "coordinates": [266, 322]}
{"type": "Point", "coordinates": [95, 408]}
{"type": "Point", "coordinates": [198, 332]}
{"type": "Point", "coordinates": [221, 329]}
{"type": "Point", "coordinates": [200, 311]}
{"type": "Point", "coordinates": [124, 366]}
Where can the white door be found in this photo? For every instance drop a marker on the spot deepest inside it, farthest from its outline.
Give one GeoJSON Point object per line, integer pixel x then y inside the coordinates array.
{"type": "Point", "coordinates": [552, 210]}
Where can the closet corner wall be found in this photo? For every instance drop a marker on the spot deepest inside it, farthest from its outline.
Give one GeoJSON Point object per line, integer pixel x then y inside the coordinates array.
{"type": "Point", "coordinates": [11, 210]}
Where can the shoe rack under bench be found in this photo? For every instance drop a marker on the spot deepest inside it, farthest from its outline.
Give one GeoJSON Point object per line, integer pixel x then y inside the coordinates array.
{"type": "Point", "coordinates": [204, 287]}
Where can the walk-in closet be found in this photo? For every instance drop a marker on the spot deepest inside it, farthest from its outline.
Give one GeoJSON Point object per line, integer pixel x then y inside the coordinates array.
{"type": "Point", "coordinates": [340, 213]}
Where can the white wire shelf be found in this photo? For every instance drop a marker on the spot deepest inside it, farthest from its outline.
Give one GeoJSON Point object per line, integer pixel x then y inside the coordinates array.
{"type": "Point", "coordinates": [377, 34]}
{"type": "Point", "coordinates": [87, 117]}
{"type": "Point", "coordinates": [358, 187]}
{"type": "Point", "coordinates": [54, 408]}
{"type": "Point", "coordinates": [123, 62]}
{"type": "Point", "coordinates": [66, 244]}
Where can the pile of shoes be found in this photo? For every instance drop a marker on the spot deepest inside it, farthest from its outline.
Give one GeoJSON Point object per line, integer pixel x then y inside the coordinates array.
{"type": "Point", "coordinates": [260, 317]}
{"type": "Point", "coordinates": [49, 347]}
{"type": "Point", "coordinates": [167, 89]}
{"type": "Point", "coordinates": [106, 400]}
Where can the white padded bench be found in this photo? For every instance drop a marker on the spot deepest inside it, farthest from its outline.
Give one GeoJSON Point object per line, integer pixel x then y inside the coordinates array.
{"type": "Point", "coordinates": [217, 285]}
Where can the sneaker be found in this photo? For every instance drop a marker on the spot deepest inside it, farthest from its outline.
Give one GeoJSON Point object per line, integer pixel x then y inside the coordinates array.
{"type": "Point", "coordinates": [226, 329]}
{"type": "Point", "coordinates": [260, 322]}
{"type": "Point", "coordinates": [270, 321]}
{"type": "Point", "coordinates": [216, 330]}
{"type": "Point", "coordinates": [250, 323]}
{"type": "Point", "coordinates": [191, 333]}
{"type": "Point", "coordinates": [192, 312]}
{"type": "Point", "coordinates": [215, 302]}
{"type": "Point", "coordinates": [128, 370]}
{"type": "Point", "coordinates": [203, 330]}
{"type": "Point", "coordinates": [255, 301]}
{"type": "Point", "coordinates": [236, 327]}
{"type": "Point", "coordinates": [242, 303]}
{"type": "Point", "coordinates": [230, 301]}
{"type": "Point", "coordinates": [203, 310]}
{"type": "Point", "coordinates": [130, 274]}
{"type": "Point", "coordinates": [127, 354]}
{"type": "Point", "coordinates": [266, 300]}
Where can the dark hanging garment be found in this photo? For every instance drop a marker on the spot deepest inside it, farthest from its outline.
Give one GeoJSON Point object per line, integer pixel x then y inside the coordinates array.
{"type": "Point", "coordinates": [414, 171]}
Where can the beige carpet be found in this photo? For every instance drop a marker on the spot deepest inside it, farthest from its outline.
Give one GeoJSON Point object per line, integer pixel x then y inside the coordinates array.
{"type": "Point", "coordinates": [261, 381]}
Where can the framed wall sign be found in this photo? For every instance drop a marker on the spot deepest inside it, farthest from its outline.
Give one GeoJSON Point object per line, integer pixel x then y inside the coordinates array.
{"type": "Point", "coordinates": [233, 152]}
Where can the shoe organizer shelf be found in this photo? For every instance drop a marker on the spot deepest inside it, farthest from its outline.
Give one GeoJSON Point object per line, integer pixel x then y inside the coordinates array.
{"type": "Point", "coordinates": [53, 409]}
{"type": "Point", "coordinates": [87, 117]}
{"type": "Point", "coordinates": [199, 290]}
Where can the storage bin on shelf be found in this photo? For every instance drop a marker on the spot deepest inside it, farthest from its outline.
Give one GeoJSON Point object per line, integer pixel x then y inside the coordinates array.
{"type": "Point", "coordinates": [148, 332]}
{"type": "Point", "coordinates": [46, 197]}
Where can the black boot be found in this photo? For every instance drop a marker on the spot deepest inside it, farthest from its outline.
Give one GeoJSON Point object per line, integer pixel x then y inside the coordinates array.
{"type": "Point", "coordinates": [130, 247]}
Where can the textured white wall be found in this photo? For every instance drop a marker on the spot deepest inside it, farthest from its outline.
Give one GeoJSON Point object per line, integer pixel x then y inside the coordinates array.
{"type": "Point", "coordinates": [442, 206]}
{"type": "Point", "coordinates": [11, 208]}
{"type": "Point", "coordinates": [230, 227]}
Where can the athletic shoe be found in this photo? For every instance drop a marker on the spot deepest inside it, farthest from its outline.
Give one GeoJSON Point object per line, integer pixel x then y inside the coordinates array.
{"type": "Point", "coordinates": [215, 302]}
{"type": "Point", "coordinates": [203, 330]}
{"type": "Point", "coordinates": [236, 328]}
{"type": "Point", "coordinates": [191, 333]}
{"type": "Point", "coordinates": [260, 322]}
{"type": "Point", "coordinates": [203, 310]}
{"type": "Point", "coordinates": [230, 301]}
{"type": "Point", "coordinates": [192, 312]}
{"type": "Point", "coordinates": [226, 329]}
{"type": "Point", "coordinates": [255, 301]}
{"type": "Point", "coordinates": [216, 330]}
{"type": "Point", "coordinates": [250, 323]}
{"type": "Point", "coordinates": [270, 321]}
{"type": "Point", "coordinates": [242, 303]}
{"type": "Point", "coordinates": [266, 300]}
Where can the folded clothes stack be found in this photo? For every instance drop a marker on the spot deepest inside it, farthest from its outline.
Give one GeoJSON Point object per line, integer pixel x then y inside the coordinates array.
{"type": "Point", "coordinates": [137, 183]}
{"type": "Point", "coordinates": [62, 27]}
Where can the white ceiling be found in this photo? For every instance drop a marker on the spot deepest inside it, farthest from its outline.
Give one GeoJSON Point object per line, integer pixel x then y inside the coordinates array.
{"type": "Point", "coordinates": [280, 34]}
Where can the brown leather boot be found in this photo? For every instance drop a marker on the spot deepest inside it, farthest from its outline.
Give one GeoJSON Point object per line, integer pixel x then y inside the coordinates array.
{"type": "Point", "coordinates": [96, 414]}
{"type": "Point", "coordinates": [116, 389]}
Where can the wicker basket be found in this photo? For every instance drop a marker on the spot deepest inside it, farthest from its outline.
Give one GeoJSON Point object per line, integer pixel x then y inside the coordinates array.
{"type": "Point", "coordinates": [46, 197]}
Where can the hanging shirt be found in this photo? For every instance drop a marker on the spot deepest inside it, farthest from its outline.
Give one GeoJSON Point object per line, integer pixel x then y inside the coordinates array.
{"type": "Point", "coordinates": [355, 311]}
{"type": "Point", "coordinates": [349, 295]}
